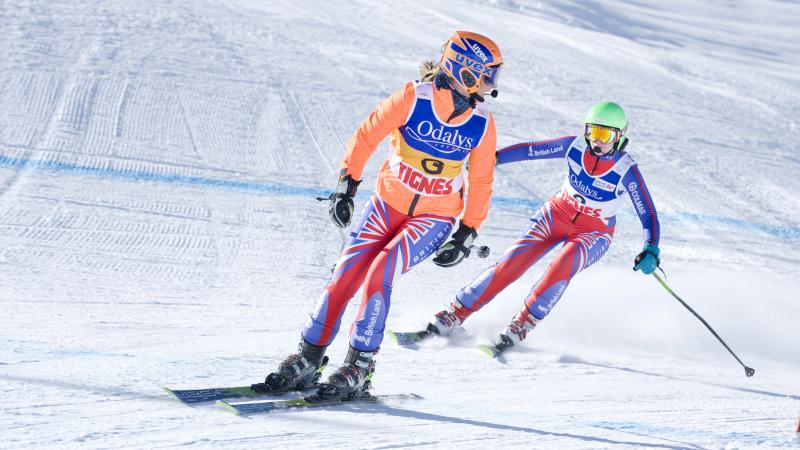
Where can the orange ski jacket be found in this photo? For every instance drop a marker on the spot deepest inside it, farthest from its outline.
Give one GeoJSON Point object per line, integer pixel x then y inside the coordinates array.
{"type": "Point", "coordinates": [426, 172]}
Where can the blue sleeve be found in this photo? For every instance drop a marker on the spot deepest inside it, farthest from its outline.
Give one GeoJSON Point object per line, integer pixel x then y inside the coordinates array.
{"type": "Point", "coordinates": [550, 149]}
{"type": "Point", "coordinates": [643, 204]}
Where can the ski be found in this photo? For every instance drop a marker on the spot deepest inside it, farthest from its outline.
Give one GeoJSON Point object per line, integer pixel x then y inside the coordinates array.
{"type": "Point", "coordinates": [490, 350]}
{"type": "Point", "coordinates": [266, 406]}
{"type": "Point", "coordinates": [406, 339]}
{"type": "Point", "coordinates": [496, 349]}
{"type": "Point", "coordinates": [191, 396]}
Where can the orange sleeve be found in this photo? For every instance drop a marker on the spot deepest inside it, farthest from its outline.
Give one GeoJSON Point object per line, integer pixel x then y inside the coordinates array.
{"type": "Point", "coordinates": [390, 115]}
{"type": "Point", "coordinates": [480, 175]}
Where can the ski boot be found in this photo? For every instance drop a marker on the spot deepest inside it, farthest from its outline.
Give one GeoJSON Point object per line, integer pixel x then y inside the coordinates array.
{"type": "Point", "coordinates": [297, 372]}
{"type": "Point", "coordinates": [350, 381]}
{"type": "Point", "coordinates": [448, 320]}
{"type": "Point", "coordinates": [514, 333]}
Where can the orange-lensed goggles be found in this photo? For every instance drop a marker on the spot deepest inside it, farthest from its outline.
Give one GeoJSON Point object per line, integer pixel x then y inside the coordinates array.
{"type": "Point", "coordinates": [600, 133]}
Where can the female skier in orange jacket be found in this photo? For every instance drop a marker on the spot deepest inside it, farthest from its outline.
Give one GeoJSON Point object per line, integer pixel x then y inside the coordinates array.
{"type": "Point", "coordinates": [435, 127]}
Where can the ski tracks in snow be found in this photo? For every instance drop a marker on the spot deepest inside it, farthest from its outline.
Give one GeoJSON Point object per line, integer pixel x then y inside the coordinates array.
{"type": "Point", "coordinates": [158, 168]}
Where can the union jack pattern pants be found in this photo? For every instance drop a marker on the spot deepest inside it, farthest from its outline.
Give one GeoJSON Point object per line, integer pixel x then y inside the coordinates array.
{"type": "Point", "coordinates": [584, 241]}
{"type": "Point", "coordinates": [383, 244]}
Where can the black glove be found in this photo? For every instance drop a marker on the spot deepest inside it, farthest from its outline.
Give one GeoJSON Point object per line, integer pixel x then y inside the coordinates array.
{"type": "Point", "coordinates": [455, 250]}
{"type": "Point", "coordinates": [341, 207]}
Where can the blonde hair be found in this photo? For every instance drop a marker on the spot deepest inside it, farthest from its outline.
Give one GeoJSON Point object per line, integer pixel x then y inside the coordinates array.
{"type": "Point", "coordinates": [428, 70]}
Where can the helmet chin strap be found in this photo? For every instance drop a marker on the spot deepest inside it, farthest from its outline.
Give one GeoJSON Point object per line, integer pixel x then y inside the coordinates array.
{"type": "Point", "coordinates": [613, 150]}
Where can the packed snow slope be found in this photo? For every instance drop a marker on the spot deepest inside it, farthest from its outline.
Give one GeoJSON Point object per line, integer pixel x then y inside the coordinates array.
{"type": "Point", "coordinates": [158, 167]}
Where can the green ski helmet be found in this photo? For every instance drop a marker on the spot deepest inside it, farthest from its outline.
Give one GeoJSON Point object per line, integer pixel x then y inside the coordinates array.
{"type": "Point", "coordinates": [609, 114]}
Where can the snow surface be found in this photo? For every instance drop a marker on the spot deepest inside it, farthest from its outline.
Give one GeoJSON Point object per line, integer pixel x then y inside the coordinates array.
{"type": "Point", "coordinates": [158, 167]}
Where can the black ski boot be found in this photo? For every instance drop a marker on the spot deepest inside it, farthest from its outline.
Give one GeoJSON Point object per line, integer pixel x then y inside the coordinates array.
{"type": "Point", "coordinates": [351, 380]}
{"type": "Point", "coordinates": [297, 372]}
{"type": "Point", "coordinates": [494, 350]}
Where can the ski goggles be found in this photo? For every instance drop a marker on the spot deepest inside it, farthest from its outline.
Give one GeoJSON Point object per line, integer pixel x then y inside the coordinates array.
{"type": "Point", "coordinates": [489, 78]}
{"type": "Point", "coordinates": [600, 133]}
{"type": "Point", "coordinates": [492, 74]}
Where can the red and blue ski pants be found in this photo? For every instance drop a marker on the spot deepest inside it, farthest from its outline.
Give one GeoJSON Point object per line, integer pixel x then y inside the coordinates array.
{"type": "Point", "coordinates": [585, 240]}
{"type": "Point", "coordinates": [383, 244]}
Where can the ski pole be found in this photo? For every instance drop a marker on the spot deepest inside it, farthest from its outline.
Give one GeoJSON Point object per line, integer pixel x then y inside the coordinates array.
{"type": "Point", "coordinates": [747, 370]}
{"type": "Point", "coordinates": [342, 233]}
{"type": "Point", "coordinates": [341, 247]}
